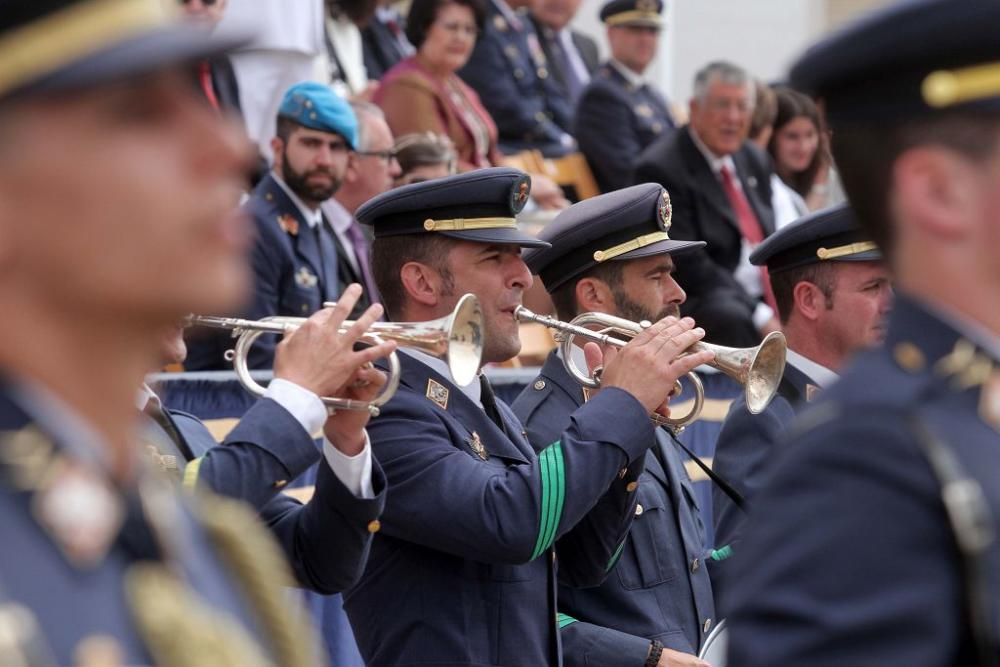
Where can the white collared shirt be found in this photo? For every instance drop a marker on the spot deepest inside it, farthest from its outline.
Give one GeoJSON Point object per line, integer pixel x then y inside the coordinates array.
{"type": "Point", "coordinates": [821, 375]}
{"type": "Point", "coordinates": [565, 37]}
{"type": "Point", "coordinates": [341, 220]}
{"type": "Point", "coordinates": [313, 217]}
{"type": "Point", "coordinates": [746, 274]}
{"type": "Point", "coordinates": [631, 76]}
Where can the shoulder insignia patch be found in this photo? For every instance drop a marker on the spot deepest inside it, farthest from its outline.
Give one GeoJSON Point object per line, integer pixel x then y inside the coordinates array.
{"type": "Point", "coordinates": [438, 393]}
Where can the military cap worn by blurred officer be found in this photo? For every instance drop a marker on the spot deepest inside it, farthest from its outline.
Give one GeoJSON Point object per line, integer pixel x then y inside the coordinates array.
{"type": "Point", "coordinates": [117, 183]}
{"type": "Point", "coordinates": [613, 254]}
{"type": "Point", "coordinates": [295, 254]}
{"type": "Point", "coordinates": [826, 263]}
{"type": "Point", "coordinates": [874, 542]}
{"type": "Point", "coordinates": [620, 113]}
{"type": "Point", "coordinates": [463, 570]}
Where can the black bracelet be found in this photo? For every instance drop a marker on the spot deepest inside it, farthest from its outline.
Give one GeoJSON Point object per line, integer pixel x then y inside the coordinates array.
{"type": "Point", "coordinates": [655, 651]}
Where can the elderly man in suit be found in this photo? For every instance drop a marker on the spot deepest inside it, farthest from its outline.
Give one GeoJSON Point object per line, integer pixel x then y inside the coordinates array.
{"type": "Point", "coordinates": [572, 55]}
{"type": "Point", "coordinates": [720, 187]}
{"type": "Point", "coordinates": [833, 294]}
{"type": "Point", "coordinates": [621, 112]}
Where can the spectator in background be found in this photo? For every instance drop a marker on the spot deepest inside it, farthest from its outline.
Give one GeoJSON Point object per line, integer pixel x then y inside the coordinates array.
{"type": "Point", "coordinates": [288, 48]}
{"type": "Point", "coordinates": [423, 156]}
{"type": "Point", "coordinates": [384, 40]}
{"type": "Point", "coordinates": [720, 189]}
{"type": "Point", "coordinates": [572, 55]}
{"type": "Point", "coordinates": [371, 170]}
{"type": "Point", "coordinates": [511, 74]}
{"type": "Point", "coordinates": [424, 93]}
{"type": "Point", "coordinates": [216, 77]}
{"type": "Point", "coordinates": [796, 144]}
{"type": "Point", "coordinates": [788, 205]}
{"type": "Point", "coordinates": [620, 113]}
{"type": "Point", "coordinates": [343, 21]}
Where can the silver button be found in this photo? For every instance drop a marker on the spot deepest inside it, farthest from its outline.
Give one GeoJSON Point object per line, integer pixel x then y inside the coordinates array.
{"type": "Point", "coordinates": [638, 510]}
{"type": "Point", "coordinates": [707, 626]}
{"type": "Point", "coordinates": [695, 565]}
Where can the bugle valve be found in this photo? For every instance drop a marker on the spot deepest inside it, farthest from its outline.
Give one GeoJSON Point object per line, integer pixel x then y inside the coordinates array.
{"type": "Point", "coordinates": [457, 338]}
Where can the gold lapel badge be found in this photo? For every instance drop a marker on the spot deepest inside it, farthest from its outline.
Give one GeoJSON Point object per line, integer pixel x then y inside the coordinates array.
{"type": "Point", "coordinates": [476, 443]}
{"type": "Point", "coordinates": [438, 393]}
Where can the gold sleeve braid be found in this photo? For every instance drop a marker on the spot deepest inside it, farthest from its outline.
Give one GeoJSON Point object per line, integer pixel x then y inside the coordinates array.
{"type": "Point", "coordinates": [181, 630]}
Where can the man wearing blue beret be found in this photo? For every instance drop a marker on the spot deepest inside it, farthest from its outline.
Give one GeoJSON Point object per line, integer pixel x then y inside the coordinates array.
{"type": "Point", "coordinates": [613, 254]}
{"type": "Point", "coordinates": [295, 254]}
{"type": "Point", "coordinates": [833, 294]}
{"type": "Point", "coordinates": [874, 541]}
{"type": "Point", "coordinates": [479, 525]}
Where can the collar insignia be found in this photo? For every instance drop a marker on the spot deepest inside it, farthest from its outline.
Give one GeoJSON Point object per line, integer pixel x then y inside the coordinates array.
{"type": "Point", "coordinates": [477, 446]}
{"type": "Point", "coordinates": [812, 391]}
{"type": "Point", "coordinates": [288, 224]}
{"type": "Point", "coordinates": [438, 393]}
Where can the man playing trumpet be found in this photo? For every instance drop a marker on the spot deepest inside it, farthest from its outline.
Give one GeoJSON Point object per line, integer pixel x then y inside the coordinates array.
{"type": "Point", "coordinates": [612, 254]}
{"type": "Point", "coordinates": [463, 570]}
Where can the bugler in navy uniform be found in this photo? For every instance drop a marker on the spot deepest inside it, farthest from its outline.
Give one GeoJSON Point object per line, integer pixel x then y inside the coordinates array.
{"type": "Point", "coordinates": [510, 72]}
{"type": "Point", "coordinates": [620, 113]}
{"type": "Point", "coordinates": [833, 294]}
{"type": "Point", "coordinates": [659, 590]}
{"type": "Point", "coordinates": [874, 541]}
{"type": "Point", "coordinates": [295, 254]}
{"type": "Point", "coordinates": [464, 568]}
{"type": "Point", "coordinates": [101, 562]}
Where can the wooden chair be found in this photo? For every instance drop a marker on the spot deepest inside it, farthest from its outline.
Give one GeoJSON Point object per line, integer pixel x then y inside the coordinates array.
{"type": "Point", "coordinates": [572, 173]}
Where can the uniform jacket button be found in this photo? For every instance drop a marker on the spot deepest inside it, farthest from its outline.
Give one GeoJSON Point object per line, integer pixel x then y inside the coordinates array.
{"type": "Point", "coordinates": [695, 565]}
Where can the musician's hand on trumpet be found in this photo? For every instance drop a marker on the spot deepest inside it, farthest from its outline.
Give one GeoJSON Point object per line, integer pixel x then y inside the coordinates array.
{"type": "Point", "coordinates": [319, 356]}
{"type": "Point", "coordinates": [650, 364]}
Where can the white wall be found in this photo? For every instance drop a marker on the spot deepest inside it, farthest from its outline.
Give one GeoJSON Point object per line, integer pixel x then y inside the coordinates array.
{"type": "Point", "coordinates": [764, 36]}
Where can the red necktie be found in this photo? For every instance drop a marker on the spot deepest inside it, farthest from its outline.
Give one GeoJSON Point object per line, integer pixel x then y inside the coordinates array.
{"type": "Point", "coordinates": [205, 77]}
{"type": "Point", "coordinates": [749, 226]}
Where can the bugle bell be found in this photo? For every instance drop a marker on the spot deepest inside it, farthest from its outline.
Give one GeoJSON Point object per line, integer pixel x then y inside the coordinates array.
{"type": "Point", "coordinates": [457, 338]}
{"type": "Point", "coordinates": [758, 369]}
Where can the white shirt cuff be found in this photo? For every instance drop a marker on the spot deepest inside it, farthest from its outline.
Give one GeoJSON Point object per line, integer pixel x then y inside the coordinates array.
{"type": "Point", "coordinates": [301, 403]}
{"type": "Point", "coordinates": [761, 314]}
{"type": "Point", "coordinates": [355, 472]}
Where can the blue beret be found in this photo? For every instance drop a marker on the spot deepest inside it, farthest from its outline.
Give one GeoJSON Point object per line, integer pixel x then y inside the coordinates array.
{"type": "Point", "coordinates": [478, 205]}
{"type": "Point", "coordinates": [831, 234]}
{"type": "Point", "coordinates": [55, 45]}
{"type": "Point", "coordinates": [620, 225]}
{"type": "Point", "coordinates": [909, 60]}
{"type": "Point", "coordinates": [316, 106]}
{"type": "Point", "coordinates": [633, 12]}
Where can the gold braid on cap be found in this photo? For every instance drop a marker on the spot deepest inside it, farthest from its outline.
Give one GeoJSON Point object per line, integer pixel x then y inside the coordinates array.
{"type": "Point", "coordinates": [82, 28]}
{"type": "Point", "coordinates": [460, 224]}
{"type": "Point", "coordinates": [845, 250]}
{"type": "Point", "coordinates": [945, 88]}
{"type": "Point", "coordinates": [629, 246]}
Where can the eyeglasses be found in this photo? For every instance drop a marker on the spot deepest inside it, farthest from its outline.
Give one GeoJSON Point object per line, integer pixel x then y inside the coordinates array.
{"type": "Point", "coordinates": [388, 155]}
{"type": "Point", "coordinates": [455, 28]}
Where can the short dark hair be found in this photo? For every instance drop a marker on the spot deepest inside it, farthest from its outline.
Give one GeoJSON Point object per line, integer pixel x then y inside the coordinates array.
{"type": "Point", "coordinates": [390, 253]}
{"type": "Point", "coordinates": [865, 154]}
{"type": "Point", "coordinates": [564, 298]}
{"type": "Point", "coordinates": [284, 126]}
{"type": "Point", "coordinates": [820, 274]}
{"type": "Point", "coordinates": [423, 13]}
{"type": "Point", "coordinates": [791, 105]}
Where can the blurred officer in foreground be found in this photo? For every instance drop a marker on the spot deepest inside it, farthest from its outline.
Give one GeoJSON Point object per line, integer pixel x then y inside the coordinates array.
{"type": "Point", "coordinates": [833, 294]}
{"type": "Point", "coordinates": [464, 568]}
{"type": "Point", "coordinates": [101, 562]}
{"type": "Point", "coordinates": [874, 541]}
{"type": "Point", "coordinates": [656, 605]}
